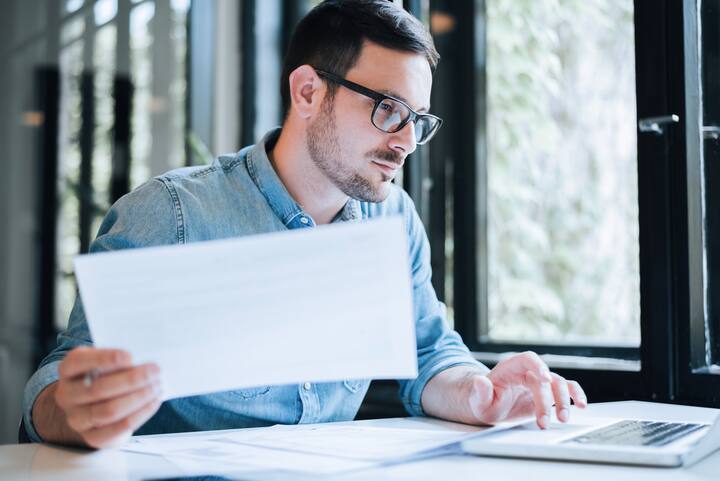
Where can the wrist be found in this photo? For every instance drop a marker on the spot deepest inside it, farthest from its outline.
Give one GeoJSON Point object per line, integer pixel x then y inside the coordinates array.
{"type": "Point", "coordinates": [49, 420]}
{"type": "Point", "coordinates": [458, 394]}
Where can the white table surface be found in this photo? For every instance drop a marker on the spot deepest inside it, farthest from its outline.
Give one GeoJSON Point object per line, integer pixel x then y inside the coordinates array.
{"type": "Point", "coordinates": [33, 462]}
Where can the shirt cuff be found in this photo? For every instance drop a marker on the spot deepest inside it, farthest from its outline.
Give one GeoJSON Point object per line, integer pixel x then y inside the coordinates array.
{"type": "Point", "coordinates": [42, 378]}
{"type": "Point", "coordinates": [412, 401]}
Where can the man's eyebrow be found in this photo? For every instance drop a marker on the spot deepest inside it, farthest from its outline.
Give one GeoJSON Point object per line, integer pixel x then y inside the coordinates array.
{"type": "Point", "coordinates": [392, 93]}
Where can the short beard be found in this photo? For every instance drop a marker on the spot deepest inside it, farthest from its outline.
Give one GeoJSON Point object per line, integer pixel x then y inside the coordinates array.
{"type": "Point", "coordinates": [324, 149]}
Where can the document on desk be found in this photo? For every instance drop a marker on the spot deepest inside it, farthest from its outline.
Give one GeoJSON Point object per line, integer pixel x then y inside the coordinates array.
{"type": "Point", "coordinates": [352, 442]}
{"type": "Point", "coordinates": [328, 448]}
{"type": "Point", "coordinates": [322, 304]}
{"type": "Point", "coordinates": [196, 456]}
{"type": "Point", "coordinates": [212, 455]}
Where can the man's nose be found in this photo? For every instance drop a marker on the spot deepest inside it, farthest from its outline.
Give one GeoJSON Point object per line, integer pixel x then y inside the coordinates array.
{"type": "Point", "coordinates": [404, 139]}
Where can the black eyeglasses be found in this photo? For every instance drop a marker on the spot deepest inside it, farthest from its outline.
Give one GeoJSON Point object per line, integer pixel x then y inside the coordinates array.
{"type": "Point", "coordinates": [390, 114]}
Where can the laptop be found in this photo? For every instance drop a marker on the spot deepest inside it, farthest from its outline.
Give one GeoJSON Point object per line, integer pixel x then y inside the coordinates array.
{"type": "Point", "coordinates": [647, 442]}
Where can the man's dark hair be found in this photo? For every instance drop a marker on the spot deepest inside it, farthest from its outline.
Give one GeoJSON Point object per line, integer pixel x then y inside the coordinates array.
{"type": "Point", "coordinates": [331, 35]}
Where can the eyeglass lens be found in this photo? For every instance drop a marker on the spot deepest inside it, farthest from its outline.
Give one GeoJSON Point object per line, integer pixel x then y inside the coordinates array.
{"type": "Point", "coordinates": [390, 115]}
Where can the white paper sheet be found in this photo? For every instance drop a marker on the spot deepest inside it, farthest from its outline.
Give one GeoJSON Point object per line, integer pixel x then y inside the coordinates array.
{"type": "Point", "coordinates": [331, 447]}
{"type": "Point", "coordinates": [359, 442]}
{"type": "Point", "coordinates": [212, 455]}
{"type": "Point", "coordinates": [322, 304]}
{"type": "Point", "coordinates": [352, 442]}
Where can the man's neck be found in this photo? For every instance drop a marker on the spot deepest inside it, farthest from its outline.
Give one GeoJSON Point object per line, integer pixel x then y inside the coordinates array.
{"type": "Point", "coordinates": [310, 188]}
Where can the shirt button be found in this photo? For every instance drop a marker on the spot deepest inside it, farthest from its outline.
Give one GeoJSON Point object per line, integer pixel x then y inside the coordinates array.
{"type": "Point", "coordinates": [304, 220]}
{"type": "Point", "coordinates": [307, 386]}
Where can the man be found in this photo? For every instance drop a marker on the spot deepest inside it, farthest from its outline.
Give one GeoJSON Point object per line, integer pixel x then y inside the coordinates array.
{"type": "Point", "coordinates": [356, 86]}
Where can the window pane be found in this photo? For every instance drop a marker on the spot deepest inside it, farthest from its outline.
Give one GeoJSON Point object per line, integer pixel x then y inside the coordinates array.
{"type": "Point", "coordinates": [157, 70]}
{"type": "Point", "coordinates": [105, 10]}
{"type": "Point", "coordinates": [563, 254]}
{"type": "Point", "coordinates": [68, 222]}
{"type": "Point", "coordinates": [73, 5]}
{"type": "Point", "coordinates": [177, 91]}
{"type": "Point", "coordinates": [72, 29]}
{"type": "Point", "coordinates": [141, 74]}
{"type": "Point", "coordinates": [104, 74]}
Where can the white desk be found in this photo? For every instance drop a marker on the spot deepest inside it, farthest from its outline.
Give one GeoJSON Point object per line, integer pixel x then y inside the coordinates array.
{"type": "Point", "coordinates": [41, 462]}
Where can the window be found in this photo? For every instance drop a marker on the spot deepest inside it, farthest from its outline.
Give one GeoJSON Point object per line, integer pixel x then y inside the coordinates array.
{"type": "Point", "coordinates": [158, 51]}
{"type": "Point", "coordinates": [95, 110]}
{"type": "Point", "coordinates": [267, 26]}
{"type": "Point", "coordinates": [542, 153]}
{"type": "Point", "coordinates": [122, 79]}
{"type": "Point", "coordinates": [133, 88]}
{"type": "Point", "coordinates": [578, 197]}
{"type": "Point", "coordinates": [561, 167]}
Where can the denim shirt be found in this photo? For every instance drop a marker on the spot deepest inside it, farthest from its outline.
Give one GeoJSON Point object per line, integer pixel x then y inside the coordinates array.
{"type": "Point", "coordinates": [239, 195]}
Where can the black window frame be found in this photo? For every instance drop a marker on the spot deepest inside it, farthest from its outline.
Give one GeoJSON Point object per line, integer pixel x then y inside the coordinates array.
{"type": "Point", "coordinates": [696, 382]}
{"type": "Point", "coordinates": [710, 82]}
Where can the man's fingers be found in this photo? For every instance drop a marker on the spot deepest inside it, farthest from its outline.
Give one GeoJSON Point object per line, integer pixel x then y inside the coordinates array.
{"type": "Point", "coordinates": [108, 386]}
{"type": "Point", "coordinates": [562, 397]}
{"type": "Point", "coordinates": [109, 412]}
{"type": "Point", "coordinates": [89, 417]}
{"type": "Point", "coordinates": [546, 388]}
{"type": "Point", "coordinates": [514, 369]}
{"type": "Point", "coordinates": [577, 394]}
{"type": "Point", "coordinates": [542, 397]}
{"type": "Point", "coordinates": [85, 359]}
{"type": "Point", "coordinates": [118, 432]}
{"type": "Point", "coordinates": [532, 362]}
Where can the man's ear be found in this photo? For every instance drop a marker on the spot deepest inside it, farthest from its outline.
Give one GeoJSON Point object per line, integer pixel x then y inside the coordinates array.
{"type": "Point", "coordinates": [307, 91]}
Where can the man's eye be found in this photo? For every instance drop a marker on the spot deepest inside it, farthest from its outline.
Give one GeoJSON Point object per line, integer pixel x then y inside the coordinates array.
{"type": "Point", "coordinates": [386, 107]}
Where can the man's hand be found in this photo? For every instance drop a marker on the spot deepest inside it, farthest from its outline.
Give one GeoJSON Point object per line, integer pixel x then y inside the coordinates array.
{"type": "Point", "coordinates": [101, 396]}
{"type": "Point", "coordinates": [523, 385]}
{"type": "Point", "coordinates": [519, 386]}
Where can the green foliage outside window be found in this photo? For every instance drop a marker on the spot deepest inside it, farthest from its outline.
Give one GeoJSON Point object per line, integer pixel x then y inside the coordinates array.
{"type": "Point", "coordinates": [562, 172]}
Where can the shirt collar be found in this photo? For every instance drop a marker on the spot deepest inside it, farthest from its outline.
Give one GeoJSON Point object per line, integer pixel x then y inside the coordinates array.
{"type": "Point", "coordinates": [263, 174]}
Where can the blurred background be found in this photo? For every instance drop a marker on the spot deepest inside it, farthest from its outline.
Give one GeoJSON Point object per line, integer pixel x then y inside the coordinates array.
{"type": "Point", "coordinates": [529, 192]}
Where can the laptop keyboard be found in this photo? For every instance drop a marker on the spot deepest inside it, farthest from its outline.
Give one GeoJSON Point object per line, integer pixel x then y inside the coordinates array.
{"type": "Point", "coordinates": [637, 433]}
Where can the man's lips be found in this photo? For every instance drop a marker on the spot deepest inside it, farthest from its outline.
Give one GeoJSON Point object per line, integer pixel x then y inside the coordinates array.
{"type": "Point", "coordinates": [388, 168]}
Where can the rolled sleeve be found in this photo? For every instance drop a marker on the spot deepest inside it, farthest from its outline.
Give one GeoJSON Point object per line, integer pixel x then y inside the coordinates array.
{"type": "Point", "coordinates": [413, 396]}
{"type": "Point", "coordinates": [42, 378]}
{"type": "Point", "coordinates": [438, 346]}
{"type": "Point", "coordinates": [75, 335]}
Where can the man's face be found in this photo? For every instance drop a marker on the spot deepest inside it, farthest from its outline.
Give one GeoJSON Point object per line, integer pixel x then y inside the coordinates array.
{"type": "Point", "coordinates": [356, 157]}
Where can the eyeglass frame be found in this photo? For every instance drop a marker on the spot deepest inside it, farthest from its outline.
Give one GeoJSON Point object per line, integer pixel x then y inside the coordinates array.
{"type": "Point", "coordinates": [378, 98]}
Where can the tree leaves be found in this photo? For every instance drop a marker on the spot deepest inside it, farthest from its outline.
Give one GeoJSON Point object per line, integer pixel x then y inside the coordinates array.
{"type": "Point", "coordinates": [562, 191]}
